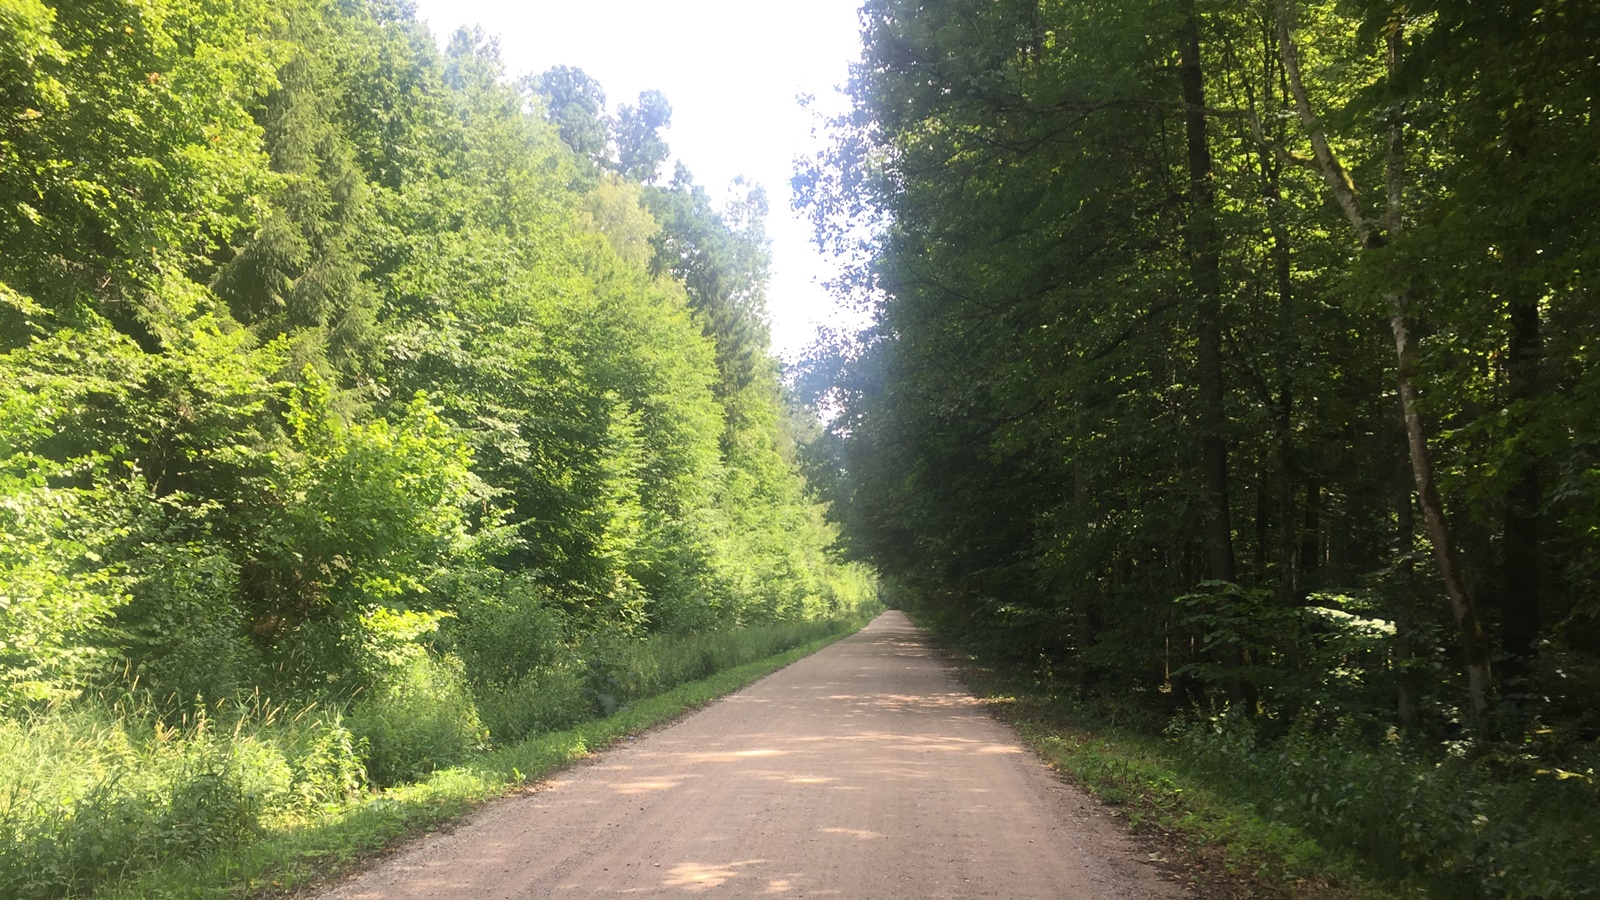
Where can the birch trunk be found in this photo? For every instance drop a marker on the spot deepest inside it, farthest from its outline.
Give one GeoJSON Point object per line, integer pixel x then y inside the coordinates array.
{"type": "Point", "coordinates": [1474, 645]}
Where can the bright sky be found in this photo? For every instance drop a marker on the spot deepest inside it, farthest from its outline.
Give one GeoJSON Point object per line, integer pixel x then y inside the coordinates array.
{"type": "Point", "coordinates": [731, 70]}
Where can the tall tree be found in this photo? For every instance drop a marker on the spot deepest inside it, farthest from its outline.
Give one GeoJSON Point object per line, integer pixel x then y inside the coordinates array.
{"type": "Point", "coordinates": [575, 103]}
{"type": "Point", "coordinates": [1204, 262]}
{"type": "Point", "coordinates": [640, 147]}
{"type": "Point", "coordinates": [1133, 326]}
{"type": "Point", "coordinates": [1369, 235]}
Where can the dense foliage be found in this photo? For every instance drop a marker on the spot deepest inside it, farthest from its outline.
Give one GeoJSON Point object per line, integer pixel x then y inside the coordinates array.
{"type": "Point", "coordinates": [1239, 356]}
{"type": "Point", "coordinates": [339, 369]}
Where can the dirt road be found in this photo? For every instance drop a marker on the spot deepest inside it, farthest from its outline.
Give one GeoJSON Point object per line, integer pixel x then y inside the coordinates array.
{"type": "Point", "coordinates": [862, 772]}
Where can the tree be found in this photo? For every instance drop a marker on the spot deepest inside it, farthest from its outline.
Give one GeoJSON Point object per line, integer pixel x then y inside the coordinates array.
{"type": "Point", "coordinates": [1133, 318]}
{"type": "Point", "coordinates": [315, 334]}
{"type": "Point", "coordinates": [575, 104]}
{"type": "Point", "coordinates": [640, 148]}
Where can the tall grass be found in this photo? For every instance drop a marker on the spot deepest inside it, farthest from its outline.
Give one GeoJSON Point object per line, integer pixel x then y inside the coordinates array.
{"type": "Point", "coordinates": [91, 792]}
{"type": "Point", "coordinates": [599, 678]}
{"type": "Point", "coordinates": [1459, 824]}
{"type": "Point", "coordinates": [95, 792]}
{"type": "Point", "coordinates": [1327, 808]}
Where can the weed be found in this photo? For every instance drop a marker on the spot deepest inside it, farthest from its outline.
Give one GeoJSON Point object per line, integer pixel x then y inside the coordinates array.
{"type": "Point", "coordinates": [93, 792]}
{"type": "Point", "coordinates": [297, 851]}
{"type": "Point", "coordinates": [121, 795]}
{"type": "Point", "coordinates": [1322, 810]}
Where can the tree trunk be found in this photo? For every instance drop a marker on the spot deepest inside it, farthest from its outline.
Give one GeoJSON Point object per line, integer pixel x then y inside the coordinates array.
{"type": "Point", "coordinates": [1263, 523]}
{"type": "Point", "coordinates": [1284, 357]}
{"type": "Point", "coordinates": [1204, 265]}
{"type": "Point", "coordinates": [1404, 618]}
{"type": "Point", "coordinates": [1474, 645]}
{"type": "Point", "coordinates": [1522, 582]}
{"type": "Point", "coordinates": [1311, 533]}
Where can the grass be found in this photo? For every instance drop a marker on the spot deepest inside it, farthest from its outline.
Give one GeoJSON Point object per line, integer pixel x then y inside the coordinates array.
{"type": "Point", "coordinates": [1321, 812]}
{"type": "Point", "coordinates": [297, 844]}
{"type": "Point", "coordinates": [1213, 844]}
{"type": "Point", "coordinates": [1204, 838]}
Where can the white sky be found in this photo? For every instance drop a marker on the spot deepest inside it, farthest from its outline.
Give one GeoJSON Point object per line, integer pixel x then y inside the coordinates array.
{"type": "Point", "coordinates": [731, 70]}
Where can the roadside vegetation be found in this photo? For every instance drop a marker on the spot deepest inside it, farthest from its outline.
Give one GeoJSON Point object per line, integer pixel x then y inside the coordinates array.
{"type": "Point", "coordinates": [120, 802]}
{"type": "Point", "coordinates": [364, 410]}
{"type": "Point", "coordinates": [1310, 814]}
{"type": "Point", "coordinates": [1233, 371]}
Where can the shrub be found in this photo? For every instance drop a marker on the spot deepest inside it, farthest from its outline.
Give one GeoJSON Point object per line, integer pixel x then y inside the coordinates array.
{"type": "Point", "coordinates": [604, 673]}
{"type": "Point", "coordinates": [552, 698]}
{"type": "Point", "coordinates": [1489, 825]}
{"type": "Point", "coordinates": [55, 592]}
{"type": "Point", "coordinates": [506, 627]}
{"type": "Point", "coordinates": [91, 792]}
{"type": "Point", "coordinates": [418, 719]}
{"type": "Point", "coordinates": [182, 632]}
{"type": "Point", "coordinates": [621, 671]}
{"type": "Point", "coordinates": [324, 762]}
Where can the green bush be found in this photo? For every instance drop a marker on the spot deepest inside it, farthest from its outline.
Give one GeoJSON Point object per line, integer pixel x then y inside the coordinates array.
{"type": "Point", "coordinates": [505, 627]}
{"type": "Point", "coordinates": [92, 792]}
{"type": "Point", "coordinates": [529, 674]}
{"type": "Point", "coordinates": [182, 633]}
{"type": "Point", "coordinates": [602, 674]}
{"type": "Point", "coordinates": [621, 671]}
{"type": "Point", "coordinates": [552, 698]}
{"type": "Point", "coordinates": [420, 718]}
{"type": "Point", "coordinates": [1488, 825]}
{"type": "Point", "coordinates": [56, 594]}
{"type": "Point", "coordinates": [325, 764]}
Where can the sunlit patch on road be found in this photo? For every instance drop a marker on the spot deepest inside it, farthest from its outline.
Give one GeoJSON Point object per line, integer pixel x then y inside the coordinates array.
{"type": "Point", "coordinates": [858, 833]}
{"type": "Point", "coordinates": [705, 875]}
{"type": "Point", "coordinates": [732, 755]}
{"type": "Point", "coordinates": [640, 787]}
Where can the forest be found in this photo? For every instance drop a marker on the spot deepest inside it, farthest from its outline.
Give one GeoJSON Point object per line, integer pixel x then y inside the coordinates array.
{"type": "Point", "coordinates": [362, 407]}
{"type": "Point", "coordinates": [1233, 369]}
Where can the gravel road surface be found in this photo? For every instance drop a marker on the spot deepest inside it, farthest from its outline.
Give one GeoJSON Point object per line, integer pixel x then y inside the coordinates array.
{"type": "Point", "coordinates": [864, 771]}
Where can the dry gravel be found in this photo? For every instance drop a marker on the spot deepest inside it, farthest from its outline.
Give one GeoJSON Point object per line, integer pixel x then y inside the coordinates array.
{"type": "Point", "coordinates": [864, 771]}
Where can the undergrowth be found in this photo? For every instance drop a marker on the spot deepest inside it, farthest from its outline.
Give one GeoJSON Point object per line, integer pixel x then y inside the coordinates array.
{"type": "Point", "coordinates": [1457, 821]}
{"type": "Point", "coordinates": [121, 796]}
{"type": "Point", "coordinates": [1317, 812]}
